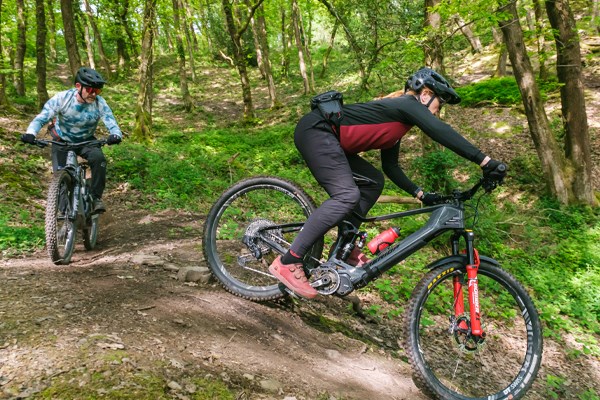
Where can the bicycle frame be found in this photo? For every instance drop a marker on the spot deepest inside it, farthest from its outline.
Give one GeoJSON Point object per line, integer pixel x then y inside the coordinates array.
{"type": "Point", "coordinates": [81, 208]}
{"type": "Point", "coordinates": [444, 217]}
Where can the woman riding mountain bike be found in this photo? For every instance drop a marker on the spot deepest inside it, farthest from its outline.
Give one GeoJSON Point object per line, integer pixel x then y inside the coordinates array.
{"type": "Point", "coordinates": [73, 116]}
{"type": "Point", "coordinates": [332, 155]}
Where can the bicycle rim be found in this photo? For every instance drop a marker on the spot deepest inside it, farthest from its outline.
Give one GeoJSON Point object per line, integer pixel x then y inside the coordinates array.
{"type": "Point", "coordinates": [447, 363]}
{"type": "Point", "coordinates": [60, 229]}
{"type": "Point", "coordinates": [243, 215]}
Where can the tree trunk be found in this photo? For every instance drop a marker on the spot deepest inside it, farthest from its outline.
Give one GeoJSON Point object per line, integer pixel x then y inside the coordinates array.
{"type": "Point", "coordinates": [120, 8]}
{"type": "Point", "coordinates": [356, 50]}
{"type": "Point", "coordinates": [285, 45]}
{"type": "Point", "coordinates": [257, 46]}
{"type": "Point", "coordinates": [185, 93]}
{"type": "Point", "coordinates": [98, 40]}
{"type": "Point", "coordinates": [468, 33]}
{"type": "Point", "coordinates": [306, 43]}
{"type": "Point", "coordinates": [204, 25]}
{"type": "Point", "coordinates": [568, 67]}
{"type": "Point", "coordinates": [434, 52]}
{"type": "Point", "coordinates": [190, 45]}
{"type": "Point", "coordinates": [260, 33]}
{"type": "Point", "coordinates": [553, 162]}
{"type": "Point", "coordinates": [540, 40]}
{"type": "Point", "coordinates": [596, 15]}
{"type": "Point", "coordinates": [502, 56]}
{"type": "Point", "coordinates": [300, 46]}
{"type": "Point", "coordinates": [19, 79]}
{"type": "Point", "coordinates": [336, 24]}
{"type": "Point", "coordinates": [125, 23]}
{"type": "Point", "coordinates": [66, 9]}
{"type": "Point", "coordinates": [51, 31]}
{"type": "Point", "coordinates": [142, 131]}
{"type": "Point", "coordinates": [40, 52]}
{"type": "Point", "coordinates": [3, 99]}
{"type": "Point", "coordinates": [235, 33]}
{"type": "Point", "coordinates": [88, 43]}
{"type": "Point", "coordinates": [190, 26]}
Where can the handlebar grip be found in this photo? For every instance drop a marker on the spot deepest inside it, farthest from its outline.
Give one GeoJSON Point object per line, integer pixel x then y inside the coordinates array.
{"type": "Point", "coordinates": [501, 167]}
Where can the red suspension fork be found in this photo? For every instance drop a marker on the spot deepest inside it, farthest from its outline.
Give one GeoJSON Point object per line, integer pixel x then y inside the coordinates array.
{"type": "Point", "coordinates": [459, 302]}
{"type": "Point", "coordinates": [473, 286]}
{"type": "Point", "coordinates": [474, 295]}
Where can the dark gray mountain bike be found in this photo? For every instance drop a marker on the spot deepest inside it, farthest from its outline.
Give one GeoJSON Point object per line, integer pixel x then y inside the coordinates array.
{"type": "Point", "coordinates": [69, 205]}
{"type": "Point", "coordinates": [471, 329]}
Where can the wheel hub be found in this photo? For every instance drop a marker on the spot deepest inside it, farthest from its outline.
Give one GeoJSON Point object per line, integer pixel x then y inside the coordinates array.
{"type": "Point", "coordinates": [253, 236]}
{"type": "Point", "coordinates": [461, 330]}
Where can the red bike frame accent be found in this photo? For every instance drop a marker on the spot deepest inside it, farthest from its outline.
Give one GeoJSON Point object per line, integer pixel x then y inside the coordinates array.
{"type": "Point", "coordinates": [459, 302]}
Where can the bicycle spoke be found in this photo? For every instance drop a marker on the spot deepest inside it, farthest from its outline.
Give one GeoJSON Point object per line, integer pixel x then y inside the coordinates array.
{"type": "Point", "coordinates": [250, 225]}
{"type": "Point", "coordinates": [452, 361]}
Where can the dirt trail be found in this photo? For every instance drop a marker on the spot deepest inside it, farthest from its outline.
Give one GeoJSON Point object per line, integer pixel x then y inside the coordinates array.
{"type": "Point", "coordinates": [107, 314]}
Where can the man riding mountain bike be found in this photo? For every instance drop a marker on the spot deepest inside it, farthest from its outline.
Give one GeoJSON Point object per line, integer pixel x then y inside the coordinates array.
{"type": "Point", "coordinates": [73, 117]}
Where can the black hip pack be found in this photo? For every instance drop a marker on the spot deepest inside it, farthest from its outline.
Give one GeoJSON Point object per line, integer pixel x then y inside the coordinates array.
{"type": "Point", "coordinates": [330, 105]}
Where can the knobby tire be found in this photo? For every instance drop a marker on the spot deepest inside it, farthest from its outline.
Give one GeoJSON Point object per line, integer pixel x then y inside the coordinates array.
{"type": "Point", "coordinates": [447, 366]}
{"type": "Point", "coordinates": [242, 211]}
{"type": "Point", "coordinates": [60, 230]}
{"type": "Point", "coordinates": [90, 232]}
{"type": "Point", "coordinates": [90, 228]}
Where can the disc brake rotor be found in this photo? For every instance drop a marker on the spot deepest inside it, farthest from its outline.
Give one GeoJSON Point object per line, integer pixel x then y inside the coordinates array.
{"type": "Point", "coordinates": [461, 330]}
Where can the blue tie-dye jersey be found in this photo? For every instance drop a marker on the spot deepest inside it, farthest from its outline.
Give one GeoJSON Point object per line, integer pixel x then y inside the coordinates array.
{"type": "Point", "coordinates": [75, 122]}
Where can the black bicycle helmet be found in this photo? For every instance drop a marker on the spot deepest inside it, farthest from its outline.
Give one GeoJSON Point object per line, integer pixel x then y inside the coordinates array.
{"type": "Point", "coordinates": [434, 81]}
{"type": "Point", "coordinates": [90, 78]}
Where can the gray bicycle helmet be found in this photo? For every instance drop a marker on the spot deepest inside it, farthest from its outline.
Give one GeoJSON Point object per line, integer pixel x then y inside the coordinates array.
{"type": "Point", "coordinates": [434, 81]}
{"type": "Point", "coordinates": [89, 78]}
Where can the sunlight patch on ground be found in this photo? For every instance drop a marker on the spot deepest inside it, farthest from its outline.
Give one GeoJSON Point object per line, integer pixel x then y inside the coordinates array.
{"type": "Point", "coordinates": [500, 127]}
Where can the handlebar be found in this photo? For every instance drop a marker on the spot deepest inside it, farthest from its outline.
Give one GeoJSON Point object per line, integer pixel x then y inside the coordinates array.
{"type": "Point", "coordinates": [43, 143]}
{"type": "Point", "coordinates": [488, 184]}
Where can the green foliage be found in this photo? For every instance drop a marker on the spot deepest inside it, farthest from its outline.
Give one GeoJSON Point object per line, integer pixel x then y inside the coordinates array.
{"type": "Point", "coordinates": [17, 234]}
{"type": "Point", "coordinates": [137, 386]}
{"type": "Point", "coordinates": [435, 170]}
{"type": "Point", "coordinates": [184, 170]}
{"type": "Point", "coordinates": [499, 91]}
{"type": "Point", "coordinates": [526, 169]}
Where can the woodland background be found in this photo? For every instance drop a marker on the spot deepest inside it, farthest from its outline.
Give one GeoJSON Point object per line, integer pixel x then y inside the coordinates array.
{"type": "Point", "coordinates": [208, 92]}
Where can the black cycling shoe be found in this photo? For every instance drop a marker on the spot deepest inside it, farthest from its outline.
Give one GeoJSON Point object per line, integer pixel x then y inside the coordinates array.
{"type": "Point", "coordinates": [99, 207]}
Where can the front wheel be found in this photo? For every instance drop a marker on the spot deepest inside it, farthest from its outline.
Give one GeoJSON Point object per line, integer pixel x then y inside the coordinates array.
{"type": "Point", "coordinates": [450, 363]}
{"type": "Point", "coordinates": [248, 227]}
{"type": "Point", "coordinates": [61, 228]}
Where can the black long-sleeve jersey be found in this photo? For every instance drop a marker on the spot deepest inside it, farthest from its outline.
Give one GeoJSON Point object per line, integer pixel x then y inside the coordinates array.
{"type": "Point", "coordinates": [381, 124]}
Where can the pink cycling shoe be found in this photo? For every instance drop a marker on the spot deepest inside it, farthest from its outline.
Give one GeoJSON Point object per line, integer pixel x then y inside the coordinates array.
{"type": "Point", "coordinates": [293, 277]}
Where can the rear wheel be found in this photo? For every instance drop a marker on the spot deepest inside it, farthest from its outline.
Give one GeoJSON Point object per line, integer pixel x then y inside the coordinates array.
{"type": "Point", "coordinates": [239, 243]}
{"type": "Point", "coordinates": [450, 363]}
{"type": "Point", "coordinates": [60, 227]}
{"type": "Point", "coordinates": [90, 232]}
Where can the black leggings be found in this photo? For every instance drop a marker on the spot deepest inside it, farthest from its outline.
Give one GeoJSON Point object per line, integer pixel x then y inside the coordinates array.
{"type": "Point", "coordinates": [332, 168]}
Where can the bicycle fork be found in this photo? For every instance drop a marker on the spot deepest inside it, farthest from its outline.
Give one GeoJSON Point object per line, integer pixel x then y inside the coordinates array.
{"type": "Point", "coordinates": [473, 288]}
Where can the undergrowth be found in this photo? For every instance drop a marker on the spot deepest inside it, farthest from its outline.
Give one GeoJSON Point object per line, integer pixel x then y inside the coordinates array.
{"type": "Point", "coordinates": [554, 250]}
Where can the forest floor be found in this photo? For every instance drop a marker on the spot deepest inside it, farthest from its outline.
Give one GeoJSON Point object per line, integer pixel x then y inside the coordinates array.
{"type": "Point", "coordinates": [117, 322]}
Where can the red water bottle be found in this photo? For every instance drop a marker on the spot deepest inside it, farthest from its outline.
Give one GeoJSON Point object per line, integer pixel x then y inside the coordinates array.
{"type": "Point", "coordinates": [383, 240]}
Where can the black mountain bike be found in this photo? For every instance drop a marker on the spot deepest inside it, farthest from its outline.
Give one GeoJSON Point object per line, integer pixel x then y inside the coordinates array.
{"type": "Point", "coordinates": [471, 330]}
{"type": "Point", "coordinates": [69, 205]}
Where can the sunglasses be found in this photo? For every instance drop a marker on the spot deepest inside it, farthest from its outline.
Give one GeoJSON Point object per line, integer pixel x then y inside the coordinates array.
{"type": "Point", "coordinates": [91, 90]}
